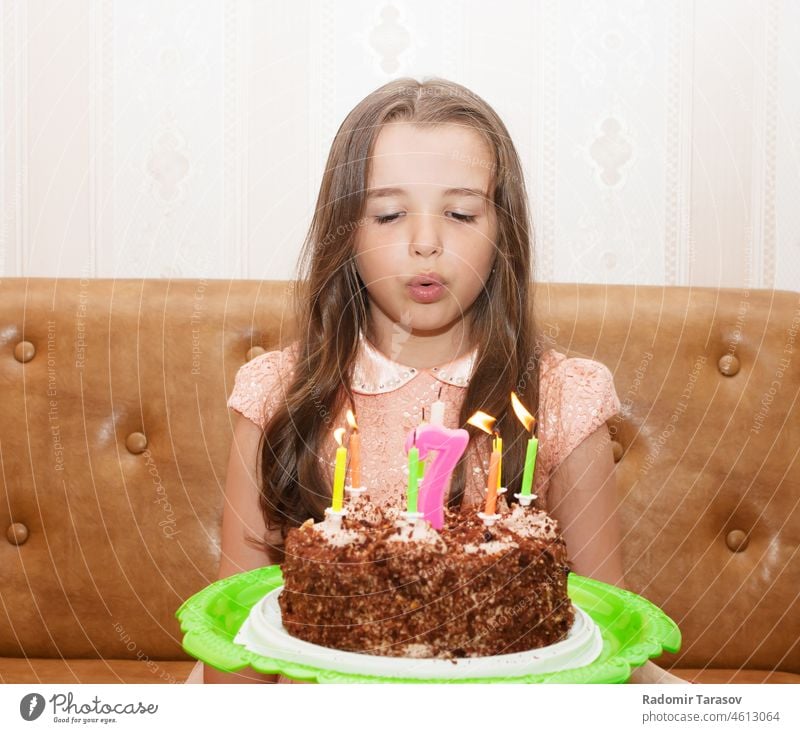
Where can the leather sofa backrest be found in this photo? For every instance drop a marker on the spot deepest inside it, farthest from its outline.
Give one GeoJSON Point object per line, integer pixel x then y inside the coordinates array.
{"type": "Point", "coordinates": [114, 440]}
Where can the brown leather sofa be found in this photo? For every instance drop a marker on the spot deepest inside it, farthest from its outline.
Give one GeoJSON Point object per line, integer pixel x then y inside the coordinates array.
{"type": "Point", "coordinates": [114, 440]}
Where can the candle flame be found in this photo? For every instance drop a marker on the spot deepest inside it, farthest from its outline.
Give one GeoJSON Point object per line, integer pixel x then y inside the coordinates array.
{"type": "Point", "coordinates": [483, 421]}
{"type": "Point", "coordinates": [351, 419]}
{"type": "Point", "coordinates": [338, 434]}
{"type": "Point", "coordinates": [524, 416]}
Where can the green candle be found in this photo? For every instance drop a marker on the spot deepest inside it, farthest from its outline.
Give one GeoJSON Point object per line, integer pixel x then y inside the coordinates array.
{"type": "Point", "coordinates": [413, 478]}
{"type": "Point", "coordinates": [528, 421]}
{"type": "Point", "coordinates": [530, 465]}
{"type": "Point", "coordinates": [422, 464]}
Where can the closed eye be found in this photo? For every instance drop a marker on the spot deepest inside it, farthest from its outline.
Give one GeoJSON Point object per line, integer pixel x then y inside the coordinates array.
{"type": "Point", "coordinates": [466, 218]}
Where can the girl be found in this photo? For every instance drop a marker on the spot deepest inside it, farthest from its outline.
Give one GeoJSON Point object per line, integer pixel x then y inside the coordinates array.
{"type": "Point", "coordinates": [416, 274]}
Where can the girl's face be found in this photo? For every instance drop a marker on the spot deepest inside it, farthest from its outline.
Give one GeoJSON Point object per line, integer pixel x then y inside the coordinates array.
{"type": "Point", "coordinates": [426, 245]}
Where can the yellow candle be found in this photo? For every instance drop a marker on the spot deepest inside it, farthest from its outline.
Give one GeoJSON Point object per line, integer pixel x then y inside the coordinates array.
{"type": "Point", "coordinates": [338, 474]}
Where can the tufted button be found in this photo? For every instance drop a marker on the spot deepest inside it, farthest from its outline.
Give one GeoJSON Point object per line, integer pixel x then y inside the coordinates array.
{"type": "Point", "coordinates": [254, 352]}
{"type": "Point", "coordinates": [136, 442]}
{"type": "Point", "coordinates": [24, 351]}
{"type": "Point", "coordinates": [618, 450]}
{"type": "Point", "coordinates": [729, 365]}
{"type": "Point", "coordinates": [737, 540]}
{"type": "Point", "coordinates": [17, 533]}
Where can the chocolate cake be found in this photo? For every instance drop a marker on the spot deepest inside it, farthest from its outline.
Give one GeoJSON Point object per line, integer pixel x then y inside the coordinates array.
{"type": "Point", "coordinates": [379, 584]}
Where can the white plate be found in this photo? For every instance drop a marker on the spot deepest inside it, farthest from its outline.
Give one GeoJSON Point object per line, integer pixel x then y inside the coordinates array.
{"type": "Point", "coordinates": [263, 633]}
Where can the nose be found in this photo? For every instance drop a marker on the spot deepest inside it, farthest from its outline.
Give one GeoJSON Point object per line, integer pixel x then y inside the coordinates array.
{"type": "Point", "coordinates": [425, 235]}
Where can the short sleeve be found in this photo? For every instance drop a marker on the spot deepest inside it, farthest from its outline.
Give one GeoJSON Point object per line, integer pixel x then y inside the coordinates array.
{"type": "Point", "coordinates": [259, 386]}
{"type": "Point", "coordinates": [580, 397]}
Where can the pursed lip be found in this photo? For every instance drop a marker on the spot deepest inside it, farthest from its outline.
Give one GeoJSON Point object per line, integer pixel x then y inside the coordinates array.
{"type": "Point", "coordinates": [431, 278]}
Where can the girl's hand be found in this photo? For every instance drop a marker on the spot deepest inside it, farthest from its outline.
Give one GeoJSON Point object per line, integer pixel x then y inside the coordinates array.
{"type": "Point", "coordinates": [583, 498]}
{"type": "Point", "coordinates": [241, 518]}
{"type": "Point", "coordinates": [652, 674]}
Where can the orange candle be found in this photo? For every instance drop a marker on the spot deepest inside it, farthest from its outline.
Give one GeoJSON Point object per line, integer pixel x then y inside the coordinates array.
{"type": "Point", "coordinates": [491, 486]}
{"type": "Point", "coordinates": [355, 460]}
{"type": "Point", "coordinates": [498, 446]}
{"type": "Point", "coordinates": [354, 446]}
{"type": "Point", "coordinates": [486, 423]}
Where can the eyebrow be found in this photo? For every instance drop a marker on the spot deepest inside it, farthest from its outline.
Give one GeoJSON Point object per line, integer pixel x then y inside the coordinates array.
{"type": "Point", "coordinates": [382, 192]}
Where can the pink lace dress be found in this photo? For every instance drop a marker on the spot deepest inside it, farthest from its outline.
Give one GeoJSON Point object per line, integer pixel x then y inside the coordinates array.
{"type": "Point", "coordinates": [577, 396]}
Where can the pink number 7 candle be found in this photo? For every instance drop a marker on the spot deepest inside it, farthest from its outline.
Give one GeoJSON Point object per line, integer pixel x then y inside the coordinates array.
{"type": "Point", "coordinates": [449, 446]}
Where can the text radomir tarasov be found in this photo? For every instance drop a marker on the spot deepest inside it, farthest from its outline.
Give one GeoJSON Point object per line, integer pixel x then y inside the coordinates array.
{"type": "Point", "coordinates": [689, 700]}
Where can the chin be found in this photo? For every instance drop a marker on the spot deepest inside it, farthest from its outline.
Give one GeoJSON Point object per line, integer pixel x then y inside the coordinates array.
{"type": "Point", "coordinates": [430, 323]}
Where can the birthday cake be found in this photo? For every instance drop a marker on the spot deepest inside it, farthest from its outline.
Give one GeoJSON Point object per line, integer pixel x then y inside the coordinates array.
{"type": "Point", "coordinates": [376, 582]}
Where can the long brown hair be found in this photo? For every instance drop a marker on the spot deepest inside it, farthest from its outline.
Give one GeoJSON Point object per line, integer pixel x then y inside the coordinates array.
{"type": "Point", "coordinates": [332, 305]}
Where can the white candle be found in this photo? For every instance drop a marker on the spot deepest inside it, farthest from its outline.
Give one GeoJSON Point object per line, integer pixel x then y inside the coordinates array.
{"type": "Point", "coordinates": [437, 413]}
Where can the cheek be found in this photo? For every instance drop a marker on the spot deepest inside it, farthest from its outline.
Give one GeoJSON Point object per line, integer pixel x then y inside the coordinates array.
{"type": "Point", "coordinates": [375, 243]}
{"type": "Point", "coordinates": [476, 260]}
{"type": "Point", "coordinates": [487, 253]}
{"type": "Point", "coordinates": [375, 262]}
{"type": "Point", "coordinates": [365, 254]}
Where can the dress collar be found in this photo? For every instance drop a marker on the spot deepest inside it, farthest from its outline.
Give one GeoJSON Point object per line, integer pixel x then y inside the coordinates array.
{"type": "Point", "coordinates": [376, 373]}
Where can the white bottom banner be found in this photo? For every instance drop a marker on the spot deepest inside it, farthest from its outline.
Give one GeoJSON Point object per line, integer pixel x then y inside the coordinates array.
{"type": "Point", "coordinates": [379, 708]}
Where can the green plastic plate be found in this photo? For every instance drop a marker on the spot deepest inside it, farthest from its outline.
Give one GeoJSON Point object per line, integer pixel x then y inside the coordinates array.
{"type": "Point", "coordinates": [633, 630]}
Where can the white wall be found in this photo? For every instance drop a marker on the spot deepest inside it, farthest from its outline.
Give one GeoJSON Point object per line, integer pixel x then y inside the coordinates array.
{"type": "Point", "coordinates": [186, 138]}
